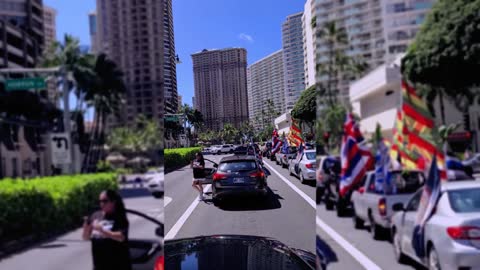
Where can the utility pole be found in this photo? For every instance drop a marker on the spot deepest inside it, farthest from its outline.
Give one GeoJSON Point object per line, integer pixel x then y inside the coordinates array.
{"type": "Point", "coordinates": [66, 119]}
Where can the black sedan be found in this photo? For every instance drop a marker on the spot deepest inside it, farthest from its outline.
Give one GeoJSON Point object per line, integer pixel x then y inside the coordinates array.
{"type": "Point", "coordinates": [235, 252]}
{"type": "Point", "coordinates": [238, 175]}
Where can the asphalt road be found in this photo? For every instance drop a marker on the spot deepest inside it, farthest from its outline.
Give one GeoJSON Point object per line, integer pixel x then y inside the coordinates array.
{"type": "Point", "coordinates": [70, 252]}
{"type": "Point", "coordinates": [286, 216]}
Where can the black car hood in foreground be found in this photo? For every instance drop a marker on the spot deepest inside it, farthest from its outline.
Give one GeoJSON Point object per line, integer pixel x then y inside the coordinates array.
{"type": "Point", "coordinates": [234, 252]}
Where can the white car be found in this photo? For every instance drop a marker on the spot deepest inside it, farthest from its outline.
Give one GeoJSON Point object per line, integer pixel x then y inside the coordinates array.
{"type": "Point", "coordinates": [155, 182]}
{"type": "Point", "coordinates": [452, 234]}
{"type": "Point", "coordinates": [222, 149]}
{"type": "Point", "coordinates": [304, 168]}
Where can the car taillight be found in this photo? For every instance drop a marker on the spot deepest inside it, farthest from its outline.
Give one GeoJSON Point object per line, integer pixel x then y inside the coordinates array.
{"type": "Point", "coordinates": [258, 174]}
{"type": "Point", "coordinates": [382, 207]}
{"type": "Point", "coordinates": [464, 232]}
{"type": "Point", "coordinates": [309, 166]}
{"type": "Point", "coordinates": [219, 176]}
{"type": "Point", "coordinates": [159, 263]}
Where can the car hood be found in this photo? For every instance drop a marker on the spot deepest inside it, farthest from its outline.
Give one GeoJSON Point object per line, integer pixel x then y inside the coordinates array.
{"type": "Point", "coordinates": [243, 252]}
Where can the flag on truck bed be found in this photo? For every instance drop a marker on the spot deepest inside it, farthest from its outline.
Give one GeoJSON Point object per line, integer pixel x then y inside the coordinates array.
{"type": "Point", "coordinates": [295, 134]}
{"type": "Point", "coordinates": [355, 157]}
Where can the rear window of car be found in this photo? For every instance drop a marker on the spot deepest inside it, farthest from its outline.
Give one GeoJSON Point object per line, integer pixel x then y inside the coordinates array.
{"type": "Point", "coordinates": [465, 200]}
{"type": "Point", "coordinates": [237, 166]}
{"type": "Point", "coordinates": [406, 182]}
{"type": "Point", "coordinates": [310, 156]}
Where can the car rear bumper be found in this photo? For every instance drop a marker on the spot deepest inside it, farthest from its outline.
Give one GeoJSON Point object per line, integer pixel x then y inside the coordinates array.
{"type": "Point", "coordinates": [459, 257]}
{"type": "Point", "coordinates": [309, 175]}
{"type": "Point", "coordinates": [246, 190]}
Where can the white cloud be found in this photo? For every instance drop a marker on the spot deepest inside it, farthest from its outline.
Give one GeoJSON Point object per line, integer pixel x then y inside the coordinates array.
{"type": "Point", "coordinates": [245, 37]}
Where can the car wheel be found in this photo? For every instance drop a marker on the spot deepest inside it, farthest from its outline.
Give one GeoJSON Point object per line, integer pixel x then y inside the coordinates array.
{"type": "Point", "coordinates": [358, 223]}
{"type": "Point", "coordinates": [397, 248]}
{"type": "Point", "coordinates": [328, 204]}
{"type": "Point", "coordinates": [302, 179]}
{"type": "Point", "coordinates": [319, 195]}
{"type": "Point", "coordinates": [433, 260]}
{"type": "Point", "coordinates": [375, 230]}
{"type": "Point", "coordinates": [290, 170]}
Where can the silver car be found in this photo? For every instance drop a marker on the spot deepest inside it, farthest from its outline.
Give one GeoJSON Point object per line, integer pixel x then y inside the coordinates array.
{"type": "Point", "coordinates": [452, 234]}
{"type": "Point", "coordinates": [304, 167]}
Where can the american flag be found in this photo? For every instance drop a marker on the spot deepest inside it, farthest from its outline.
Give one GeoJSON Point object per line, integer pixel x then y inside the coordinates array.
{"type": "Point", "coordinates": [428, 201]}
{"type": "Point", "coordinates": [355, 157]}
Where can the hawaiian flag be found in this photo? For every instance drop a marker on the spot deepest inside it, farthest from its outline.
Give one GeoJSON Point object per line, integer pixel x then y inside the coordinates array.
{"type": "Point", "coordinates": [277, 145]}
{"type": "Point", "coordinates": [295, 134]}
{"type": "Point", "coordinates": [285, 146]}
{"type": "Point", "coordinates": [428, 201]}
{"type": "Point", "coordinates": [355, 157]}
{"type": "Point", "coordinates": [300, 152]}
{"type": "Point", "coordinates": [422, 135]}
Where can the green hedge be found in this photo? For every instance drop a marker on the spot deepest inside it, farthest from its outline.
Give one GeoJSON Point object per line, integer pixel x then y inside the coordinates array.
{"type": "Point", "coordinates": [179, 157]}
{"type": "Point", "coordinates": [42, 206]}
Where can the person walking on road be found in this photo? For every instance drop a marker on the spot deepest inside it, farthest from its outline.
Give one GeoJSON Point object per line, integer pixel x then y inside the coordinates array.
{"type": "Point", "coordinates": [198, 166]}
{"type": "Point", "coordinates": [108, 231]}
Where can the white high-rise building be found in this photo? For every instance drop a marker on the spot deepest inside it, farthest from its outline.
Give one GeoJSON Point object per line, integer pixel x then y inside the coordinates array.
{"type": "Point", "coordinates": [309, 29]}
{"type": "Point", "coordinates": [264, 83]}
{"type": "Point", "coordinates": [292, 39]}
{"type": "Point", "coordinates": [377, 30]}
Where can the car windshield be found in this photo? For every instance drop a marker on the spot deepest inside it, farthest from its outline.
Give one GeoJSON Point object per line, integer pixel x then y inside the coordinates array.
{"type": "Point", "coordinates": [465, 200]}
{"type": "Point", "coordinates": [405, 182]}
{"type": "Point", "coordinates": [310, 155]}
{"type": "Point", "coordinates": [237, 166]}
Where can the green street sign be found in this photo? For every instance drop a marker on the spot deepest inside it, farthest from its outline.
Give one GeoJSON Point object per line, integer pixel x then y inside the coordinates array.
{"type": "Point", "coordinates": [25, 84]}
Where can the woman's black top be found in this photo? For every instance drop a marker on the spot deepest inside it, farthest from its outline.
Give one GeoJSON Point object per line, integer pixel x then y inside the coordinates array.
{"type": "Point", "coordinates": [108, 253]}
{"type": "Point", "coordinates": [198, 173]}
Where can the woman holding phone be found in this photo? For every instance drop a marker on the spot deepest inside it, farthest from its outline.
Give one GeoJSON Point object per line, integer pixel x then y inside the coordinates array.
{"type": "Point", "coordinates": [198, 166]}
{"type": "Point", "coordinates": [108, 231]}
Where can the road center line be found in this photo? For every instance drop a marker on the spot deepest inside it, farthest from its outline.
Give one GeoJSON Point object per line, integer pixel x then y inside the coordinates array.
{"type": "Point", "coordinates": [178, 225]}
{"type": "Point", "coordinates": [355, 253]}
{"type": "Point", "coordinates": [167, 201]}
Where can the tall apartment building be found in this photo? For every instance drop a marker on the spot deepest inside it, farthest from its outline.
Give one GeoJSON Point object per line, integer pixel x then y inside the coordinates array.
{"type": "Point", "coordinates": [22, 147]}
{"type": "Point", "coordinates": [92, 23]}
{"type": "Point", "coordinates": [293, 60]}
{"type": "Point", "coordinates": [21, 33]}
{"type": "Point", "coordinates": [265, 82]}
{"type": "Point", "coordinates": [49, 25]}
{"type": "Point", "coordinates": [138, 35]}
{"type": "Point", "coordinates": [377, 30]}
{"type": "Point", "coordinates": [309, 30]}
{"type": "Point", "coordinates": [221, 86]}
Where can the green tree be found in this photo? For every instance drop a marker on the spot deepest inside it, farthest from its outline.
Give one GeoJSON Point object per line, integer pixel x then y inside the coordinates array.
{"type": "Point", "coordinates": [444, 55]}
{"type": "Point", "coordinates": [305, 109]}
{"type": "Point", "coordinates": [228, 133]}
{"type": "Point", "coordinates": [331, 121]}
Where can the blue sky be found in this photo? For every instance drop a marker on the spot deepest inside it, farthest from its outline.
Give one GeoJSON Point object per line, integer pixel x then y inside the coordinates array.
{"type": "Point", "coordinates": [200, 24]}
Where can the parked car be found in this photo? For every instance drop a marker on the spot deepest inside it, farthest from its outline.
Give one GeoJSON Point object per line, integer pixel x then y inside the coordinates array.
{"type": "Point", "coordinates": [452, 234]}
{"type": "Point", "coordinates": [304, 166]}
{"type": "Point", "coordinates": [155, 182]}
{"type": "Point", "coordinates": [238, 175]}
{"type": "Point", "coordinates": [282, 158]}
{"type": "Point", "coordinates": [223, 149]}
{"type": "Point", "coordinates": [241, 252]}
{"type": "Point", "coordinates": [376, 207]}
{"type": "Point", "coordinates": [473, 163]}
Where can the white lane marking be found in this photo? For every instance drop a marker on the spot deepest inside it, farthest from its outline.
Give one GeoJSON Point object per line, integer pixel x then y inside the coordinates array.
{"type": "Point", "coordinates": [178, 225]}
{"type": "Point", "coordinates": [166, 201]}
{"type": "Point", "coordinates": [355, 253]}
{"type": "Point", "coordinates": [295, 188]}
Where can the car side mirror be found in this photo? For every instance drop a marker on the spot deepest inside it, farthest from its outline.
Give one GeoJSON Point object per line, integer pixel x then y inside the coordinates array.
{"type": "Point", "coordinates": [398, 207]}
{"type": "Point", "coordinates": [159, 231]}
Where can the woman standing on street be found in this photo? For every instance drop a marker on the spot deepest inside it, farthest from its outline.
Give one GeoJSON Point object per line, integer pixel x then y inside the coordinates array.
{"type": "Point", "coordinates": [108, 231]}
{"type": "Point", "coordinates": [198, 166]}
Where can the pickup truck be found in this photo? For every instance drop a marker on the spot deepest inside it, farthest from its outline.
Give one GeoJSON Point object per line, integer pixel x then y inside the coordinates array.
{"type": "Point", "coordinates": [282, 158]}
{"type": "Point", "coordinates": [374, 207]}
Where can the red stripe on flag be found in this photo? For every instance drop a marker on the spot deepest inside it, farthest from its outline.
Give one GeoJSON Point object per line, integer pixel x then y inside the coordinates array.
{"type": "Point", "coordinates": [412, 113]}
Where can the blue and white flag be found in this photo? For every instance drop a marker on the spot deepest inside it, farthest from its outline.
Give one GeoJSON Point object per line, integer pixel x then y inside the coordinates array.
{"type": "Point", "coordinates": [285, 146]}
{"type": "Point", "coordinates": [428, 201]}
{"type": "Point", "coordinates": [382, 165]}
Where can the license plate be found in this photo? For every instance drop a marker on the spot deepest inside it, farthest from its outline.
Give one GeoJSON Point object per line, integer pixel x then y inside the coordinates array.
{"type": "Point", "coordinates": [238, 180]}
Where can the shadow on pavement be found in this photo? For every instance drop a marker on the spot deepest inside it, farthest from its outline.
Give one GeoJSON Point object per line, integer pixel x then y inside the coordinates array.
{"type": "Point", "coordinates": [135, 192]}
{"type": "Point", "coordinates": [52, 246]}
{"type": "Point", "coordinates": [250, 203]}
{"type": "Point", "coordinates": [325, 253]}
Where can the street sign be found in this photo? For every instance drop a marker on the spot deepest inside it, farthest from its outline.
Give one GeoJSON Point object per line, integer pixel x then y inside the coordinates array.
{"type": "Point", "coordinates": [60, 145]}
{"type": "Point", "coordinates": [24, 84]}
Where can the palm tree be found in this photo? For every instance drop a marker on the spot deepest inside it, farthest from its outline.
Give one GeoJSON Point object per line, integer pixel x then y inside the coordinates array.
{"type": "Point", "coordinates": [104, 92]}
{"type": "Point", "coordinates": [228, 133]}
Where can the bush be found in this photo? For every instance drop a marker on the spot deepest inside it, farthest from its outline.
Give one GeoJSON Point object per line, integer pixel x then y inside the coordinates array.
{"type": "Point", "coordinates": [104, 166]}
{"type": "Point", "coordinates": [176, 158]}
{"type": "Point", "coordinates": [42, 206]}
